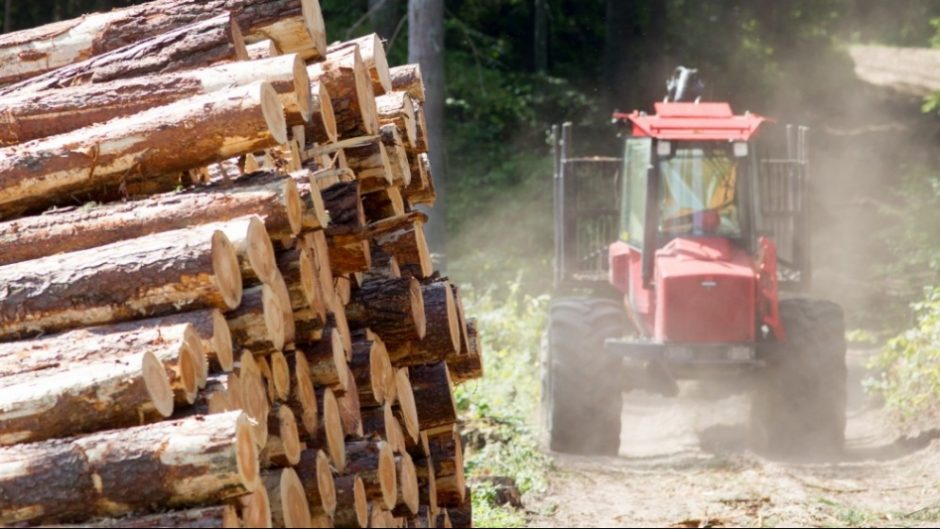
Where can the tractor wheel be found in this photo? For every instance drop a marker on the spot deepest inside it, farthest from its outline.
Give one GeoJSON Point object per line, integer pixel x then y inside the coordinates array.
{"type": "Point", "coordinates": [581, 386]}
{"type": "Point", "coordinates": [798, 407]}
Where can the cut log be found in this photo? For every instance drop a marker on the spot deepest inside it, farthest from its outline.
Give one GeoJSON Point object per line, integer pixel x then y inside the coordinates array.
{"type": "Point", "coordinates": [397, 155]}
{"type": "Point", "coordinates": [406, 407]}
{"type": "Point", "coordinates": [462, 516]}
{"type": "Point", "coordinates": [167, 272]}
{"type": "Point", "coordinates": [316, 243]}
{"type": "Point", "coordinates": [397, 108]}
{"type": "Point", "coordinates": [299, 272]}
{"type": "Point", "coordinates": [349, 409]}
{"type": "Point", "coordinates": [381, 424]}
{"type": "Point", "coordinates": [58, 231]}
{"type": "Point", "coordinates": [172, 464]}
{"type": "Point", "coordinates": [392, 308]}
{"type": "Point", "coordinates": [284, 446]}
{"type": "Point", "coordinates": [288, 503]}
{"type": "Point", "coordinates": [257, 325]}
{"type": "Point", "coordinates": [254, 399]}
{"type": "Point", "coordinates": [433, 395]}
{"type": "Point", "coordinates": [407, 78]}
{"type": "Point", "coordinates": [442, 341]}
{"type": "Point", "coordinates": [321, 127]}
{"type": "Point", "coordinates": [279, 286]}
{"type": "Point", "coordinates": [374, 462]}
{"type": "Point", "coordinates": [421, 118]}
{"type": "Point", "coordinates": [464, 327]}
{"type": "Point", "coordinates": [352, 504]}
{"type": "Point", "coordinates": [31, 52]}
{"type": "Point", "coordinates": [384, 266]}
{"type": "Point", "coordinates": [217, 517]}
{"type": "Point", "coordinates": [343, 286]}
{"type": "Point", "coordinates": [190, 133]}
{"type": "Point", "coordinates": [315, 215]}
{"type": "Point", "coordinates": [327, 360]}
{"type": "Point", "coordinates": [267, 378]}
{"type": "Point", "coordinates": [373, 56]}
{"type": "Point", "coordinates": [344, 205]}
{"type": "Point", "coordinates": [468, 366]}
{"type": "Point", "coordinates": [370, 367]}
{"type": "Point", "coordinates": [280, 376]}
{"type": "Point", "coordinates": [316, 477]}
{"type": "Point", "coordinates": [347, 80]}
{"type": "Point", "coordinates": [447, 456]}
{"type": "Point", "coordinates": [409, 247]}
{"type": "Point", "coordinates": [408, 496]}
{"type": "Point", "coordinates": [422, 193]}
{"type": "Point", "coordinates": [263, 49]}
{"type": "Point", "coordinates": [303, 397]}
{"type": "Point", "coordinates": [330, 434]}
{"type": "Point", "coordinates": [195, 45]}
{"type": "Point", "coordinates": [256, 508]}
{"type": "Point", "coordinates": [349, 257]}
{"type": "Point", "coordinates": [371, 163]}
{"type": "Point", "coordinates": [33, 115]}
{"type": "Point", "coordinates": [213, 331]}
{"type": "Point", "coordinates": [427, 486]}
{"type": "Point", "coordinates": [383, 204]}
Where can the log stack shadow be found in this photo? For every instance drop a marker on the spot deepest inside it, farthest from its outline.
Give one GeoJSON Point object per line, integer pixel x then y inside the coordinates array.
{"type": "Point", "coordinates": [217, 304]}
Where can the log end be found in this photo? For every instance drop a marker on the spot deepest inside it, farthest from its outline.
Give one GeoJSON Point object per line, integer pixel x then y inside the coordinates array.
{"type": "Point", "coordinates": [273, 307]}
{"type": "Point", "coordinates": [408, 483]}
{"type": "Point", "coordinates": [388, 476]}
{"type": "Point", "coordinates": [416, 298]}
{"type": "Point", "coordinates": [325, 103]}
{"type": "Point", "coordinates": [379, 366]}
{"type": "Point", "coordinates": [306, 395]}
{"type": "Point", "coordinates": [189, 368]}
{"type": "Point", "coordinates": [339, 360]}
{"type": "Point", "coordinates": [406, 402]}
{"type": "Point", "coordinates": [246, 452]}
{"type": "Point", "coordinates": [261, 251]}
{"type": "Point", "coordinates": [257, 512]}
{"type": "Point", "coordinates": [228, 275]}
{"type": "Point", "coordinates": [294, 206]}
{"type": "Point", "coordinates": [293, 500]}
{"type": "Point", "coordinates": [290, 436]}
{"type": "Point", "coordinates": [238, 42]}
{"type": "Point", "coordinates": [273, 112]}
{"type": "Point", "coordinates": [380, 63]}
{"type": "Point", "coordinates": [310, 283]}
{"type": "Point", "coordinates": [280, 374]}
{"type": "Point", "coordinates": [158, 384]}
{"type": "Point", "coordinates": [302, 88]}
{"type": "Point", "coordinates": [192, 346]}
{"type": "Point", "coordinates": [313, 20]}
{"type": "Point", "coordinates": [453, 318]}
{"type": "Point", "coordinates": [393, 433]}
{"type": "Point", "coordinates": [254, 399]}
{"type": "Point", "coordinates": [325, 484]}
{"type": "Point", "coordinates": [222, 342]}
{"type": "Point", "coordinates": [333, 425]}
{"type": "Point", "coordinates": [361, 502]}
{"type": "Point", "coordinates": [365, 96]}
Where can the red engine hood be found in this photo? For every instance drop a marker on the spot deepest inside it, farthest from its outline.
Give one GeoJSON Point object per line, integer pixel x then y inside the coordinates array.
{"type": "Point", "coordinates": [707, 292]}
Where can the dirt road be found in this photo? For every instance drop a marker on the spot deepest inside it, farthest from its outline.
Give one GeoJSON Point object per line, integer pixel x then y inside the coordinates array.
{"type": "Point", "coordinates": [684, 463]}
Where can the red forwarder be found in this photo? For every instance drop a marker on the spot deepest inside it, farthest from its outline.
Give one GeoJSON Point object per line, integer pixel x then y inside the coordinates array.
{"type": "Point", "coordinates": [698, 232]}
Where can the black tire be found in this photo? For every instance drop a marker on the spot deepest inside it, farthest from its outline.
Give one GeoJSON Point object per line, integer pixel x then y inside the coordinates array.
{"type": "Point", "coordinates": [581, 385]}
{"type": "Point", "coordinates": [798, 407]}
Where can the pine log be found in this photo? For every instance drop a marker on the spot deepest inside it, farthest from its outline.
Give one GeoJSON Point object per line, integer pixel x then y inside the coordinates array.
{"type": "Point", "coordinates": [170, 464]}
{"type": "Point", "coordinates": [288, 503]}
{"type": "Point", "coordinates": [374, 462]}
{"type": "Point", "coordinates": [257, 324]}
{"type": "Point", "coordinates": [318, 246]}
{"type": "Point", "coordinates": [217, 517]}
{"type": "Point", "coordinates": [462, 515]}
{"type": "Point", "coordinates": [371, 368]}
{"type": "Point", "coordinates": [344, 205]}
{"type": "Point", "coordinates": [299, 272]}
{"type": "Point", "coordinates": [442, 341]}
{"type": "Point", "coordinates": [280, 371]}
{"type": "Point", "coordinates": [347, 80]}
{"type": "Point", "coordinates": [427, 485]}
{"type": "Point", "coordinates": [27, 53]}
{"type": "Point", "coordinates": [254, 398]}
{"type": "Point", "coordinates": [280, 289]}
{"type": "Point", "coordinates": [316, 477]}
{"type": "Point", "coordinates": [321, 127]}
{"type": "Point", "coordinates": [330, 434]}
{"type": "Point", "coordinates": [267, 378]}
{"type": "Point", "coordinates": [397, 155]}
{"type": "Point", "coordinates": [424, 192]}
{"type": "Point", "coordinates": [350, 257]}
{"type": "Point", "coordinates": [303, 398]}
{"type": "Point", "coordinates": [316, 216]}
{"type": "Point", "coordinates": [421, 145]}
{"type": "Point", "coordinates": [384, 266]}
{"type": "Point", "coordinates": [370, 160]}
{"type": "Point", "coordinates": [373, 56]}
{"type": "Point", "coordinates": [434, 396]}
{"type": "Point", "coordinates": [327, 361]}
{"type": "Point", "coordinates": [277, 202]}
{"type": "Point", "coordinates": [28, 116]}
{"type": "Point", "coordinates": [352, 503]}
{"type": "Point", "coordinates": [393, 308]}
{"type": "Point", "coordinates": [213, 332]}
{"type": "Point", "coordinates": [397, 108]}
{"type": "Point", "coordinates": [406, 407]}
{"type": "Point", "coordinates": [383, 204]}
{"type": "Point", "coordinates": [256, 508]}
{"type": "Point", "coordinates": [171, 271]}
{"type": "Point", "coordinates": [189, 133]}
{"type": "Point", "coordinates": [350, 413]}
{"type": "Point", "coordinates": [464, 327]}
{"type": "Point", "coordinates": [406, 504]}
{"type": "Point", "coordinates": [409, 247]}
{"type": "Point", "coordinates": [468, 366]}
{"type": "Point", "coordinates": [447, 456]}
{"type": "Point", "coordinates": [196, 45]}
{"type": "Point", "coordinates": [407, 78]}
{"type": "Point", "coordinates": [284, 445]}
{"type": "Point", "coordinates": [381, 424]}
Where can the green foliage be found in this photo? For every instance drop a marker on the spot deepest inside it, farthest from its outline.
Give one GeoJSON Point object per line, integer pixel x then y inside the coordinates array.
{"type": "Point", "coordinates": [499, 409]}
{"type": "Point", "coordinates": [909, 367]}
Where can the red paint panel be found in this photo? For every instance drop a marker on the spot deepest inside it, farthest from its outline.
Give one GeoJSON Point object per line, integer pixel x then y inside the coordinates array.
{"type": "Point", "coordinates": [694, 122]}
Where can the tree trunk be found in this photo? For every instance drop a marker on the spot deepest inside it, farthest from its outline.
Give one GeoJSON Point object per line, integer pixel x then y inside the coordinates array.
{"type": "Point", "coordinates": [197, 45]}
{"type": "Point", "coordinates": [373, 56]}
{"type": "Point", "coordinates": [392, 308]}
{"type": "Point", "coordinates": [295, 25]}
{"type": "Point", "coordinates": [374, 462]}
{"type": "Point", "coordinates": [426, 47]}
{"type": "Point", "coordinates": [433, 395]}
{"type": "Point", "coordinates": [317, 479]}
{"type": "Point", "coordinates": [27, 116]}
{"type": "Point", "coordinates": [407, 78]}
{"type": "Point", "coordinates": [176, 137]}
{"type": "Point", "coordinates": [278, 203]}
{"type": "Point", "coordinates": [352, 504]}
{"type": "Point", "coordinates": [158, 274]}
{"type": "Point", "coordinates": [347, 80]}
{"type": "Point", "coordinates": [218, 517]}
{"type": "Point", "coordinates": [122, 471]}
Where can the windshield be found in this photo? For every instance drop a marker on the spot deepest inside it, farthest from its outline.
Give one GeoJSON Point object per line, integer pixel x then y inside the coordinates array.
{"type": "Point", "coordinates": [697, 195]}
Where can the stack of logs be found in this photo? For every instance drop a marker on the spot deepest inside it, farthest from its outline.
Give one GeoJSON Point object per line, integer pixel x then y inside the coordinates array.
{"type": "Point", "coordinates": [217, 305]}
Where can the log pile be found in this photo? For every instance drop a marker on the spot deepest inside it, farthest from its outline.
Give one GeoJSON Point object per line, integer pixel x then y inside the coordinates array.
{"type": "Point", "coordinates": [217, 305]}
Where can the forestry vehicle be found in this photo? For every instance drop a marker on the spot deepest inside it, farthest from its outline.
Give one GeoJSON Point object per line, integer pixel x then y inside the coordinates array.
{"type": "Point", "coordinates": [688, 257]}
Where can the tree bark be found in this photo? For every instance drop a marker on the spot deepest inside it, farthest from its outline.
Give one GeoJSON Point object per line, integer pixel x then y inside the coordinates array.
{"type": "Point", "coordinates": [284, 446]}
{"type": "Point", "coordinates": [397, 155]}
{"type": "Point", "coordinates": [194, 46]}
{"type": "Point", "coordinates": [426, 47]}
{"type": "Point", "coordinates": [397, 108]}
{"type": "Point", "coordinates": [381, 424]}
{"type": "Point", "coordinates": [279, 203]}
{"type": "Point", "coordinates": [392, 308]}
{"type": "Point", "coordinates": [327, 361]}
{"type": "Point", "coordinates": [169, 464]}
{"type": "Point", "coordinates": [406, 504]}
{"type": "Point", "coordinates": [257, 324]}
{"type": "Point", "coordinates": [27, 116]}
{"type": "Point", "coordinates": [217, 517]}
{"type": "Point", "coordinates": [158, 274]}
{"type": "Point", "coordinates": [352, 504]}
{"type": "Point", "coordinates": [344, 205]}
{"type": "Point", "coordinates": [433, 395]}
{"type": "Point", "coordinates": [176, 137]}
{"type": "Point", "coordinates": [317, 479]}
{"type": "Point", "coordinates": [410, 249]}
{"type": "Point", "coordinates": [374, 462]}
{"type": "Point", "coordinates": [370, 161]}
{"type": "Point", "coordinates": [295, 25]}
{"type": "Point", "coordinates": [370, 367]}
{"type": "Point", "coordinates": [373, 56]}
{"type": "Point", "coordinates": [383, 204]}
{"type": "Point", "coordinates": [347, 80]}
{"type": "Point", "coordinates": [321, 128]}
{"type": "Point", "coordinates": [462, 515]}
{"type": "Point", "coordinates": [447, 456]}
{"type": "Point", "coordinates": [468, 366]}
{"type": "Point", "coordinates": [407, 78]}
